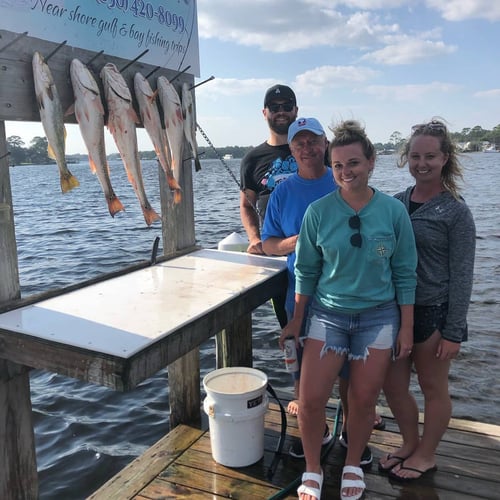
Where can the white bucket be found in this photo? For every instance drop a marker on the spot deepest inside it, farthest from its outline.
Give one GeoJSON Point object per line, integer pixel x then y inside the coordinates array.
{"type": "Point", "coordinates": [235, 404]}
{"type": "Point", "coordinates": [235, 242]}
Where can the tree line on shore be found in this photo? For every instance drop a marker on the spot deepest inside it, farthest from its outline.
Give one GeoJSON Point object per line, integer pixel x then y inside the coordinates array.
{"type": "Point", "coordinates": [471, 139]}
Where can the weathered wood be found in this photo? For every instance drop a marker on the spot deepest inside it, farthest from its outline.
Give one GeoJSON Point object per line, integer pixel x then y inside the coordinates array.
{"type": "Point", "coordinates": [9, 275]}
{"type": "Point", "coordinates": [141, 471]}
{"type": "Point", "coordinates": [467, 460]}
{"type": "Point", "coordinates": [18, 472]}
{"type": "Point", "coordinates": [234, 344]}
{"type": "Point", "coordinates": [184, 384]}
{"type": "Point", "coordinates": [17, 93]}
{"type": "Point", "coordinates": [178, 229]}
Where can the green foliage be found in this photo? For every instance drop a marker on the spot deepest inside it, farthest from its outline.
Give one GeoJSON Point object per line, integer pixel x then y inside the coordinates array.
{"type": "Point", "coordinates": [36, 153]}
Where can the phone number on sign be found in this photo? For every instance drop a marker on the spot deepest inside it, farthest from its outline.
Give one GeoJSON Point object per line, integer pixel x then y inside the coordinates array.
{"type": "Point", "coordinates": [139, 8]}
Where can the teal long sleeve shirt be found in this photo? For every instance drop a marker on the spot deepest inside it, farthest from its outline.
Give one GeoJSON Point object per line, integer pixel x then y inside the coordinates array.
{"type": "Point", "coordinates": [351, 279]}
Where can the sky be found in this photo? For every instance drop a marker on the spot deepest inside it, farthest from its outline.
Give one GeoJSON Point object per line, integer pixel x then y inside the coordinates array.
{"type": "Point", "coordinates": [388, 63]}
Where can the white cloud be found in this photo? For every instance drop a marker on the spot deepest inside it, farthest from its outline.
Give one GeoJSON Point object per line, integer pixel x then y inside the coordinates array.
{"type": "Point", "coordinates": [231, 87]}
{"type": "Point", "coordinates": [316, 80]}
{"type": "Point", "coordinates": [460, 10]}
{"type": "Point", "coordinates": [488, 93]}
{"type": "Point", "coordinates": [409, 93]}
{"type": "Point", "coordinates": [289, 25]}
{"type": "Point", "coordinates": [409, 51]}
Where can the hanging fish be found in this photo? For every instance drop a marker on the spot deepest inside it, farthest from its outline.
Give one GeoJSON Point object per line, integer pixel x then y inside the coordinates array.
{"type": "Point", "coordinates": [121, 123]}
{"type": "Point", "coordinates": [52, 117]}
{"type": "Point", "coordinates": [174, 122]}
{"type": "Point", "coordinates": [89, 113]}
{"type": "Point", "coordinates": [150, 116]}
{"type": "Point", "coordinates": [190, 123]}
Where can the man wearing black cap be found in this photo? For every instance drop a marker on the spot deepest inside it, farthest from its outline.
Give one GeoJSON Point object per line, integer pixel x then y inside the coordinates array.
{"type": "Point", "coordinates": [264, 167]}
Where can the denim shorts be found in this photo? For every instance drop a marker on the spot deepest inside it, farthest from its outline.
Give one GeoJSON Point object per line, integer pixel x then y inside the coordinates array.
{"type": "Point", "coordinates": [344, 372]}
{"type": "Point", "coordinates": [353, 334]}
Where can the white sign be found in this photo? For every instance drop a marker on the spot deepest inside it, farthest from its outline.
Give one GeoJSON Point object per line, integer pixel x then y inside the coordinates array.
{"type": "Point", "coordinates": [168, 29]}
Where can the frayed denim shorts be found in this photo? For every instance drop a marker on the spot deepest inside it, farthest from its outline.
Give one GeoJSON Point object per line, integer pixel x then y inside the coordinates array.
{"type": "Point", "coordinates": [344, 372]}
{"type": "Point", "coordinates": [353, 334]}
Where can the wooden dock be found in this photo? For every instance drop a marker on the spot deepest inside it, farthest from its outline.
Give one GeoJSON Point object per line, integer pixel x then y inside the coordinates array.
{"type": "Point", "coordinates": [180, 465]}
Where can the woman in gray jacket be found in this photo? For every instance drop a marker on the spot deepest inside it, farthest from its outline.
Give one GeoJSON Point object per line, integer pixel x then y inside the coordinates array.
{"type": "Point", "coordinates": [445, 236]}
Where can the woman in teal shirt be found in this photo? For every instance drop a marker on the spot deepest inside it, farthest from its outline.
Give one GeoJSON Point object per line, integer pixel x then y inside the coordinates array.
{"type": "Point", "coordinates": [356, 258]}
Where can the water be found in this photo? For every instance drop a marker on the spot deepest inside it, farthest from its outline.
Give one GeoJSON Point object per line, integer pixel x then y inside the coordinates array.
{"type": "Point", "coordinates": [86, 433]}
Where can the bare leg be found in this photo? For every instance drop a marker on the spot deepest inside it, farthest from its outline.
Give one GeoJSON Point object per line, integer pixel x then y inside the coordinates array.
{"type": "Point", "coordinates": [316, 383]}
{"type": "Point", "coordinates": [366, 378]}
{"type": "Point", "coordinates": [343, 388]}
{"type": "Point", "coordinates": [404, 408]}
{"type": "Point", "coordinates": [433, 380]}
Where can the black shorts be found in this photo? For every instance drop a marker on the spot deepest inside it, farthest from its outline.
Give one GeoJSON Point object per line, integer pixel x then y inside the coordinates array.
{"type": "Point", "coordinates": [428, 319]}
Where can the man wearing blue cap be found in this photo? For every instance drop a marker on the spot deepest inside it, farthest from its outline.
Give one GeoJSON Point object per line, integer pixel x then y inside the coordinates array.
{"type": "Point", "coordinates": [285, 210]}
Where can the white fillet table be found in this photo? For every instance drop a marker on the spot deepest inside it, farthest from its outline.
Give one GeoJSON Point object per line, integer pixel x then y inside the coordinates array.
{"type": "Point", "coordinates": [120, 331]}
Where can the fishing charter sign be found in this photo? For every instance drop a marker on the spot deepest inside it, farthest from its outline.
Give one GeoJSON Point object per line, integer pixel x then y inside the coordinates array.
{"type": "Point", "coordinates": [167, 29]}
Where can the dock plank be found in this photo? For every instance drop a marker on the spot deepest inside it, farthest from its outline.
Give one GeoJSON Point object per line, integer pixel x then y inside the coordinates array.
{"type": "Point", "coordinates": [181, 466]}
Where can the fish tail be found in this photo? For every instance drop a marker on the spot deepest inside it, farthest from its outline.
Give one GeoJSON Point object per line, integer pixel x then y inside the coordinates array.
{"type": "Point", "coordinates": [68, 182]}
{"type": "Point", "coordinates": [177, 196]}
{"type": "Point", "coordinates": [149, 215]}
{"type": "Point", "coordinates": [114, 205]}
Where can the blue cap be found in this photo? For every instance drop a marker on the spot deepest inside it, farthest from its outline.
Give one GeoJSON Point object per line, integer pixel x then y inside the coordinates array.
{"type": "Point", "coordinates": [300, 124]}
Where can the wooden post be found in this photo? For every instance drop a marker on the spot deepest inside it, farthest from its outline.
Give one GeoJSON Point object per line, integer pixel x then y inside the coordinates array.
{"type": "Point", "coordinates": [18, 472]}
{"type": "Point", "coordinates": [178, 234]}
{"type": "Point", "coordinates": [234, 344]}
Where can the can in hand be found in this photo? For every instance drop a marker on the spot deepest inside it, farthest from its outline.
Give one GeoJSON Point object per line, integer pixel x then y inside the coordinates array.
{"type": "Point", "coordinates": [291, 362]}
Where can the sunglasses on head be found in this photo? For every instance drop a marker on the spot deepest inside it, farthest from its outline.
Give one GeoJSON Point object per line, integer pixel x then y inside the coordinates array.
{"type": "Point", "coordinates": [434, 125]}
{"type": "Point", "coordinates": [275, 108]}
{"type": "Point", "coordinates": [355, 223]}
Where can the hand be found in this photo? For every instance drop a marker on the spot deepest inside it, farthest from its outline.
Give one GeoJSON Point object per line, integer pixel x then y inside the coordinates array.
{"type": "Point", "coordinates": [255, 247]}
{"type": "Point", "coordinates": [447, 350]}
{"type": "Point", "coordinates": [404, 343]}
{"type": "Point", "coordinates": [291, 330]}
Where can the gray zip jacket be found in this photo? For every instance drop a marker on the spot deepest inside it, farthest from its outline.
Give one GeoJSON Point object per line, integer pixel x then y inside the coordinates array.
{"type": "Point", "coordinates": [445, 235]}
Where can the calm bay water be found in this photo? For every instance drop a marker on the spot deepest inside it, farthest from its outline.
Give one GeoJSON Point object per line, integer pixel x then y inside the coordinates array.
{"type": "Point", "coordinates": [86, 433]}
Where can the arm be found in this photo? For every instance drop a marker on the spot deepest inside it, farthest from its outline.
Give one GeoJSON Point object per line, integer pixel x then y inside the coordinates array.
{"type": "Point", "coordinates": [280, 246]}
{"type": "Point", "coordinates": [462, 247]}
{"type": "Point", "coordinates": [250, 220]}
{"type": "Point", "coordinates": [293, 327]}
{"type": "Point", "coordinates": [404, 341]}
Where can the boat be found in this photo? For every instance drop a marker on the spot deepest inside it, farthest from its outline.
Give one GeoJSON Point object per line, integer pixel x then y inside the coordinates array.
{"type": "Point", "coordinates": [228, 156]}
{"type": "Point", "coordinates": [491, 149]}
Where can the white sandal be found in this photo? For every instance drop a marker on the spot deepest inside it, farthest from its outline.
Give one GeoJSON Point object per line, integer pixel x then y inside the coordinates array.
{"type": "Point", "coordinates": [352, 483]}
{"type": "Point", "coordinates": [309, 490]}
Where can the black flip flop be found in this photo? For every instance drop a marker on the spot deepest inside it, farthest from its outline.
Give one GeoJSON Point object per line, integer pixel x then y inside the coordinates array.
{"type": "Point", "coordinates": [389, 456]}
{"type": "Point", "coordinates": [422, 473]}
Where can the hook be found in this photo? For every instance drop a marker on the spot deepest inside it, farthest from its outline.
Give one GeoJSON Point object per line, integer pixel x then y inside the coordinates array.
{"type": "Point", "coordinates": [180, 73]}
{"type": "Point", "coordinates": [201, 83]}
{"type": "Point", "coordinates": [155, 250]}
{"type": "Point", "coordinates": [21, 35]}
{"type": "Point", "coordinates": [95, 57]}
{"type": "Point", "coordinates": [55, 50]}
{"type": "Point", "coordinates": [192, 157]}
{"type": "Point", "coordinates": [152, 71]}
{"type": "Point", "coordinates": [134, 60]}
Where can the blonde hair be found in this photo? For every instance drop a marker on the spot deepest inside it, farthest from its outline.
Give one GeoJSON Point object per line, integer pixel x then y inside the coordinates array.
{"type": "Point", "coordinates": [349, 132]}
{"type": "Point", "coordinates": [452, 172]}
